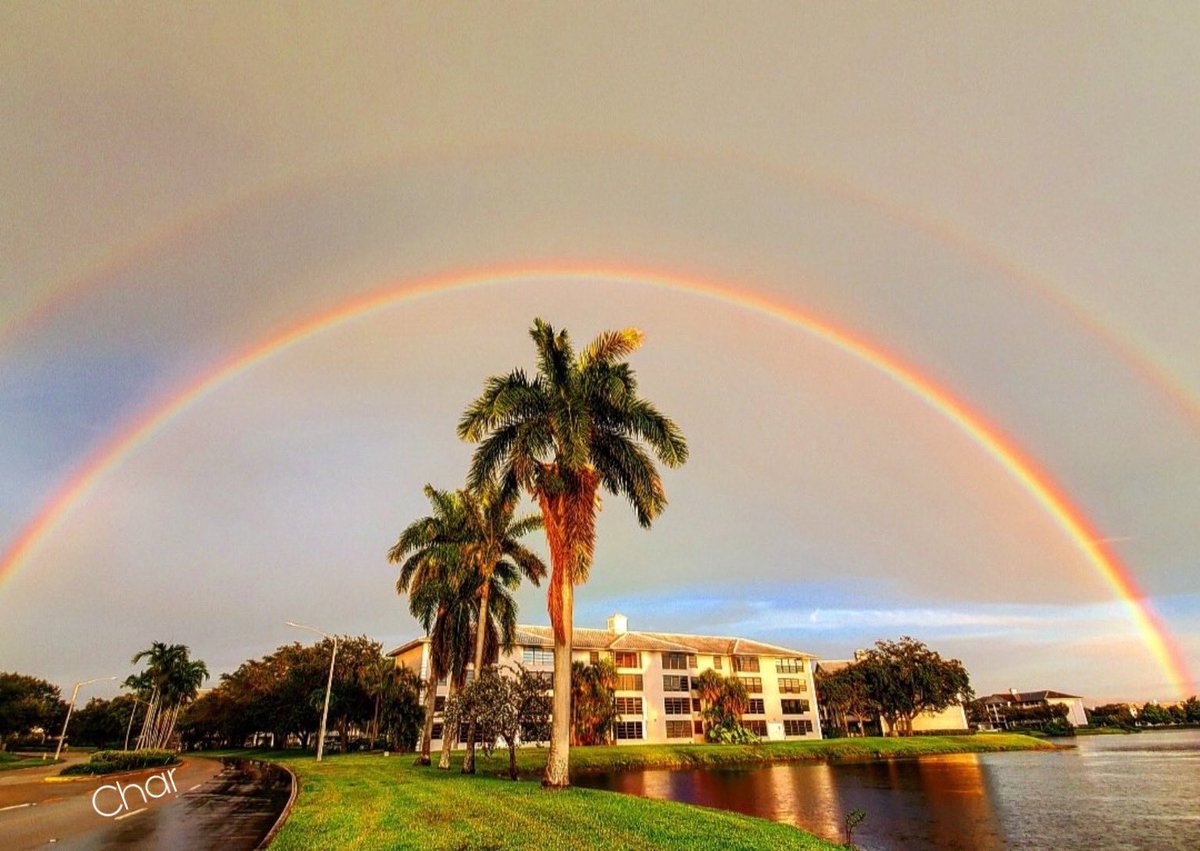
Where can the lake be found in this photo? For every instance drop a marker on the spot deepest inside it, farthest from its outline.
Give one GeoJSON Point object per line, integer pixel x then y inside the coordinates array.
{"type": "Point", "coordinates": [1136, 791]}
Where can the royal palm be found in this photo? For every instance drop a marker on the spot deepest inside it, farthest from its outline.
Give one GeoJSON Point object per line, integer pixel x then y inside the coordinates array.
{"type": "Point", "coordinates": [577, 425]}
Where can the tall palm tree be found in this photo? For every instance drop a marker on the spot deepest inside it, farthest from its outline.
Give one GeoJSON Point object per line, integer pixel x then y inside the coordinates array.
{"type": "Point", "coordinates": [430, 563]}
{"type": "Point", "coordinates": [576, 426]}
{"type": "Point", "coordinates": [174, 679]}
{"type": "Point", "coordinates": [460, 565]}
{"type": "Point", "coordinates": [492, 545]}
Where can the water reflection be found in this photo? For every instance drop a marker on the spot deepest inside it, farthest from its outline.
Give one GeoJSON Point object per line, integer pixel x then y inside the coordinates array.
{"type": "Point", "coordinates": [1103, 793]}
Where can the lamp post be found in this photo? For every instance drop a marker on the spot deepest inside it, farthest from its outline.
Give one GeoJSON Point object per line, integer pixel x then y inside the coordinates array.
{"type": "Point", "coordinates": [70, 709]}
{"type": "Point", "coordinates": [328, 684]}
{"type": "Point", "coordinates": [132, 712]}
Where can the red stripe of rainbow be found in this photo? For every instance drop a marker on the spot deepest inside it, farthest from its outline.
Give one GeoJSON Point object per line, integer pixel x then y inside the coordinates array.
{"type": "Point", "coordinates": [1036, 482]}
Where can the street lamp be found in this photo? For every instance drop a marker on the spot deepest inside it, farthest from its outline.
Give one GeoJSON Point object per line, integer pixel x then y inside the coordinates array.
{"type": "Point", "coordinates": [70, 709]}
{"type": "Point", "coordinates": [328, 685]}
{"type": "Point", "coordinates": [132, 712]}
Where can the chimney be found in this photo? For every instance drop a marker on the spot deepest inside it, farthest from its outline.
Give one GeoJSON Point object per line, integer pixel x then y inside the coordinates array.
{"type": "Point", "coordinates": [618, 623]}
{"type": "Point", "coordinates": [1015, 694]}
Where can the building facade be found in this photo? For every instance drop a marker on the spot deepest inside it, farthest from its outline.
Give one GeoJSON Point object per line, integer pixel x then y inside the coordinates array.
{"type": "Point", "coordinates": [996, 705]}
{"type": "Point", "coordinates": [655, 676]}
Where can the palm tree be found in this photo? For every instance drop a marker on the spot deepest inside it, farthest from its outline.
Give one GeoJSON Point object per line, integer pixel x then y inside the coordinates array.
{"type": "Point", "coordinates": [460, 565]}
{"type": "Point", "coordinates": [491, 545]}
{"type": "Point", "coordinates": [173, 680]}
{"type": "Point", "coordinates": [577, 425]}
{"type": "Point", "coordinates": [431, 561]}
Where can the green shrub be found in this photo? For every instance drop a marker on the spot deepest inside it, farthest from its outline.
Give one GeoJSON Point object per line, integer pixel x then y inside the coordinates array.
{"type": "Point", "coordinates": [106, 762]}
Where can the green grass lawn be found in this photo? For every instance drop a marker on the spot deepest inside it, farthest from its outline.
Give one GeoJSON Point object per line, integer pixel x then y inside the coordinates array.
{"type": "Point", "coordinates": [368, 801]}
{"type": "Point", "coordinates": [9, 760]}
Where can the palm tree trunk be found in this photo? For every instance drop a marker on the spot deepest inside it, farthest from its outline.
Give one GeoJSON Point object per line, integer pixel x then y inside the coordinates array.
{"type": "Point", "coordinates": [448, 735]}
{"type": "Point", "coordinates": [558, 760]}
{"type": "Point", "coordinates": [468, 766]}
{"type": "Point", "coordinates": [427, 729]}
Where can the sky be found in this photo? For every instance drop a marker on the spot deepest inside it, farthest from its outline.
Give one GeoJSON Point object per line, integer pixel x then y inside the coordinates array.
{"type": "Point", "coordinates": [257, 260]}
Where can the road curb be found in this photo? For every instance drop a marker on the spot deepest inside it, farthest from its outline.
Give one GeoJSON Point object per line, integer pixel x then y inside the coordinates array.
{"type": "Point", "coordinates": [287, 808]}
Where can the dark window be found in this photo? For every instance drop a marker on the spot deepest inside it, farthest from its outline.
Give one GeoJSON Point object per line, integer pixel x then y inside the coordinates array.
{"type": "Point", "coordinates": [594, 657]}
{"type": "Point", "coordinates": [758, 728]}
{"type": "Point", "coordinates": [698, 728]}
{"type": "Point", "coordinates": [794, 706]}
{"type": "Point", "coordinates": [674, 682]}
{"type": "Point", "coordinates": [797, 727]}
{"type": "Point", "coordinates": [437, 730]}
{"type": "Point", "coordinates": [628, 660]}
{"type": "Point", "coordinates": [679, 729]}
{"type": "Point", "coordinates": [629, 682]}
{"type": "Point", "coordinates": [746, 663]}
{"type": "Point", "coordinates": [439, 703]}
{"type": "Point", "coordinates": [753, 684]}
{"type": "Point", "coordinates": [629, 705]}
{"type": "Point", "coordinates": [695, 704]}
{"type": "Point", "coordinates": [756, 707]}
{"type": "Point", "coordinates": [716, 663]}
{"type": "Point", "coordinates": [789, 666]}
{"type": "Point", "coordinates": [677, 706]}
{"type": "Point", "coordinates": [628, 729]}
{"type": "Point", "coordinates": [792, 686]}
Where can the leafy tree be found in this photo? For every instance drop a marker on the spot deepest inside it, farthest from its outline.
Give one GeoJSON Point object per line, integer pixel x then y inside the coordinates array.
{"type": "Point", "coordinates": [1153, 715]}
{"type": "Point", "coordinates": [905, 678]}
{"type": "Point", "coordinates": [102, 723]}
{"type": "Point", "coordinates": [27, 704]}
{"type": "Point", "coordinates": [510, 706]}
{"type": "Point", "coordinates": [576, 426]}
{"type": "Point", "coordinates": [843, 693]}
{"type": "Point", "coordinates": [593, 702]}
{"type": "Point", "coordinates": [1191, 708]}
{"type": "Point", "coordinates": [1116, 715]}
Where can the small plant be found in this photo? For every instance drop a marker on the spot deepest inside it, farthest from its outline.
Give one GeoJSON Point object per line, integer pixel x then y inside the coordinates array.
{"type": "Point", "coordinates": [853, 819]}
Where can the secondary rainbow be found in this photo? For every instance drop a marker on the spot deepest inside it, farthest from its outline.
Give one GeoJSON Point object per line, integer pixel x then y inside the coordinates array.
{"type": "Point", "coordinates": [1003, 450]}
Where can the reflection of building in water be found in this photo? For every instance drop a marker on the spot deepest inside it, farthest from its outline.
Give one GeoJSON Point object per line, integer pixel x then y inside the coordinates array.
{"type": "Point", "coordinates": [656, 672]}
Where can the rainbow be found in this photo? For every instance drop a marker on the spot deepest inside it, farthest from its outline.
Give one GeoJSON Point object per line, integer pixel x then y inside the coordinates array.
{"type": "Point", "coordinates": [1038, 484]}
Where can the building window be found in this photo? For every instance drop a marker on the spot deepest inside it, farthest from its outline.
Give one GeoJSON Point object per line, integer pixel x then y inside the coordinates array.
{"type": "Point", "coordinates": [753, 684]}
{"type": "Point", "coordinates": [594, 657]}
{"type": "Point", "coordinates": [677, 705]}
{"type": "Point", "coordinates": [629, 705]}
{"type": "Point", "coordinates": [758, 728]}
{"type": "Point", "coordinates": [679, 729]}
{"type": "Point", "coordinates": [794, 707]}
{"type": "Point", "coordinates": [746, 663]}
{"type": "Point", "coordinates": [439, 704]}
{"type": "Point", "coordinates": [698, 728]}
{"type": "Point", "coordinates": [628, 660]}
{"type": "Point", "coordinates": [789, 666]}
{"type": "Point", "coordinates": [678, 661]}
{"type": "Point", "coordinates": [716, 663]}
{"type": "Point", "coordinates": [437, 730]}
{"type": "Point", "coordinates": [756, 707]}
{"type": "Point", "coordinates": [629, 682]}
{"type": "Point", "coordinates": [792, 686]}
{"type": "Point", "coordinates": [628, 729]}
{"type": "Point", "coordinates": [537, 655]}
{"type": "Point", "coordinates": [674, 682]}
{"type": "Point", "coordinates": [797, 727]}
{"type": "Point", "coordinates": [695, 704]}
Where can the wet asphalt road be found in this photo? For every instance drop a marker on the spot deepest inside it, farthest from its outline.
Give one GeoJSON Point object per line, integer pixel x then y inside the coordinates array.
{"type": "Point", "coordinates": [229, 809]}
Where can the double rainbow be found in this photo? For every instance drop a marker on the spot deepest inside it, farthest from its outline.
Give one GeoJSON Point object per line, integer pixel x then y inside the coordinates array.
{"type": "Point", "coordinates": [1035, 482]}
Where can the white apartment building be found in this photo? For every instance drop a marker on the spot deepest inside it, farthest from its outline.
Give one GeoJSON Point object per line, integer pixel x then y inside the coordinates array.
{"type": "Point", "coordinates": [655, 673]}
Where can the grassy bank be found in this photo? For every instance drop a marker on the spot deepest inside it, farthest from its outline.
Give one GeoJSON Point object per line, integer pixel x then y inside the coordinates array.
{"type": "Point", "coordinates": [631, 757]}
{"type": "Point", "coordinates": [367, 801]}
{"type": "Point", "coordinates": [11, 760]}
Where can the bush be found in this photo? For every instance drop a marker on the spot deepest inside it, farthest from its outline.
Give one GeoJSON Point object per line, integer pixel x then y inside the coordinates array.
{"type": "Point", "coordinates": [738, 735]}
{"type": "Point", "coordinates": [106, 762]}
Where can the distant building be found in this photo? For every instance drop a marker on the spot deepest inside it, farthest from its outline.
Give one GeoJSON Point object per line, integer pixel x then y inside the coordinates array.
{"type": "Point", "coordinates": [995, 705]}
{"type": "Point", "coordinates": [952, 719]}
{"type": "Point", "coordinates": [655, 678]}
